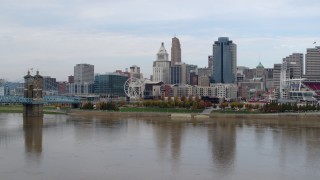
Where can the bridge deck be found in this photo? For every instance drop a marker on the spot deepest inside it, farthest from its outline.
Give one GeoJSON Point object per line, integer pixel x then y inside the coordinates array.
{"type": "Point", "coordinates": [44, 100]}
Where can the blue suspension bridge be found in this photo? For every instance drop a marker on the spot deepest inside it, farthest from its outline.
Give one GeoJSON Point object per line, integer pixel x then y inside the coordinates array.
{"type": "Point", "coordinates": [44, 100]}
{"type": "Point", "coordinates": [47, 87]}
{"type": "Point", "coordinates": [33, 97]}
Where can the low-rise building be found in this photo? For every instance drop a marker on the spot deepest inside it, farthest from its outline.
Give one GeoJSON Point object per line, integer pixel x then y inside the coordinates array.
{"type": "Point", "coordinates": [110, 85]}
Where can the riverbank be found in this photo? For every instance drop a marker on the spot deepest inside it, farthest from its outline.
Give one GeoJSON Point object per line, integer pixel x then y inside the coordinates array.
{"type": "Point", "coordinates": [271, 116]}
{"type": "Point", "coordinates": [171, 115]}
{"type": "Point", "coordinates": [19, 109]}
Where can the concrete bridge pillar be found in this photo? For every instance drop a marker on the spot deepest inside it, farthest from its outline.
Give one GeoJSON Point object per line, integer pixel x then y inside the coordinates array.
{"type": "Point", "coordinates": [33, 91]}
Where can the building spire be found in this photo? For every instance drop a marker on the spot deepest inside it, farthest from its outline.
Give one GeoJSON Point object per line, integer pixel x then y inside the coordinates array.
{"type": "Point", "coordinates": [162, 54]}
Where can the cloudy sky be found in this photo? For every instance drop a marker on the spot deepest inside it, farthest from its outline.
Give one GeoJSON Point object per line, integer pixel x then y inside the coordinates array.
{"type": "Point", "coordinates": [54, 35]}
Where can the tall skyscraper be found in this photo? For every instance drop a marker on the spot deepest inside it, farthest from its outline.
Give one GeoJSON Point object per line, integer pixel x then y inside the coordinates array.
{"type": "Point", "coordinates": [175, 51]}
{"type": "Point", "coordinates": [161, 67]}
{"type": "Point", "coordinates": [224, 61]}
{"type": "Point", "coordinates": [294, 65]}
{"type": "Point", "coordinates": [178, 73]}
{"type": "Point", "coordinates": [84, 73]}
{"type": "Point", "coordinates": [313, 63]}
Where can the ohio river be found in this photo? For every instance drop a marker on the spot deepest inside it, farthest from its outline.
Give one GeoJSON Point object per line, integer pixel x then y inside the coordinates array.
{"type": "Point", "coordinates": [89, 148]}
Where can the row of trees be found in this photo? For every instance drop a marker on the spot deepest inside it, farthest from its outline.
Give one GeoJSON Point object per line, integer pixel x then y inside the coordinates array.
{"type": "Point", "coordinates": [194, 104]}
{"type": "Point", "coordinates": [272, 107]}
{"type": "Point", "coordinates": [101, 106]}
{"type": "Point", "coordinates": [176, 103]}
{"type": "Point", "coordinates": [238, 105]}
{"type": "Point", "coordinates": [183, 102]}
{"type": "Point", "coordinates": [275, 107]}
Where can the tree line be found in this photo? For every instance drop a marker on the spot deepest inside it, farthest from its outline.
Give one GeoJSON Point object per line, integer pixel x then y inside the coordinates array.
{"type": "Point", "coordinates": [197, 103]}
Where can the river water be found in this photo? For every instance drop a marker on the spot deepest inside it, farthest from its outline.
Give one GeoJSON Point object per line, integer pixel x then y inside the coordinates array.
{"type": "Point", "coordinates": [88, 148]}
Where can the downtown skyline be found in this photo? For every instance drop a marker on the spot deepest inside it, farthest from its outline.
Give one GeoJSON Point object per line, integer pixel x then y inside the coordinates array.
{"type": "Point", "coordinates": [53, 36]}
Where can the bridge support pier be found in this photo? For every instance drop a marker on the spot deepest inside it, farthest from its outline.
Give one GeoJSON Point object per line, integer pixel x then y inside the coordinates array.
{"type": "Point", "coordinates": [33, 90]}
{"type": "Point", "coordinates": [33, 110]}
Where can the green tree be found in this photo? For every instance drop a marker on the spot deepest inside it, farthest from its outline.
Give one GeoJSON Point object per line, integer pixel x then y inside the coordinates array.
{"type": "Point", "coordinates": [240, 105]}
{"type": "Point", "coordinates": [87, 106]}
{"type": "Point", "coordinates": [224, 105]}
{"type": "Point", "coordinates": [187, 104]}
{"type": "Point", "coordinates": [200, 105]}
{"type": "Point", "coordinates": [233, 105]}
{"type": "Point", "coordinates": [103, 106]}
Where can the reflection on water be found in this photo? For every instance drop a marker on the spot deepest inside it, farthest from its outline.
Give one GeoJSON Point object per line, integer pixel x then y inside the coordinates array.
{"type": "Point", "coordinates": [32, 127]}
{"type": "Point", "coordinates": [168, 136]}
{"type": "Point", "coordinates": [90, 147]}
{"type": "Point", "coordinates": [222, 139]}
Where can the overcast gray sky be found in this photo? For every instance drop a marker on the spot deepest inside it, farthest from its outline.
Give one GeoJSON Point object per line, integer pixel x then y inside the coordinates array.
{"type": "Point", "coordinates": [54, 35]}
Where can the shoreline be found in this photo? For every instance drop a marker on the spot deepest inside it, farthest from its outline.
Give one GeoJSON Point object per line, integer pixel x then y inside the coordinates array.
{"type": "Point", "coordinates": [293, 116]}
{"type": "Point", "coordinates": [194, 116]}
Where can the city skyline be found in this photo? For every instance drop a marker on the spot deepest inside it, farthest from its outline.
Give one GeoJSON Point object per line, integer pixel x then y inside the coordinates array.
{"type": "Point", "coordinates": [42, 35]}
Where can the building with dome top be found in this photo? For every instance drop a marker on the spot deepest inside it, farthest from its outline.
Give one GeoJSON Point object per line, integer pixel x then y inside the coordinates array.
{"type": "Point", "coordinates": [161, 67]}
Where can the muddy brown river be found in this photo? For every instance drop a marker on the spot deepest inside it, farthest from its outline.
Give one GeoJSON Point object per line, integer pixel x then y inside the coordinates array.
{"type": "Point", "coordinates": [89, 148]}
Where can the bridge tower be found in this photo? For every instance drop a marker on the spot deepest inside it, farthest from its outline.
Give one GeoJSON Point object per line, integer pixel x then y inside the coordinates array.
{"type": "Point", "coordinates": [33, 91]}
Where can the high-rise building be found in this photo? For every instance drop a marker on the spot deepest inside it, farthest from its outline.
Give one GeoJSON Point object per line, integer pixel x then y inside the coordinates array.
{"type": "Point", "coordinates": [84, 73]}
{"type": "Point", "coordinates": [205, 72]}
{"type": "Point", "coordinates": [2, 91]}
{"type": "Point", "coordinates": [161, 67]}
{"type": "Point", "coordinates": [135, 69]}
{"type": "Point", "coordinates": [50, 86]}
{"type": "Point", "coordinates": [79, 88]}
{"type": "Point", "coordinates": [71, 79]}
{"type": "Point", "coordinates": [62, 88]}
{"type": "Point", "coordinates": [268, 78]}
{"type": "Point", "coordinates": [175, 51]}
{"type": "Point", "coordinates": [83, 80]}
{"type": "Point", "coordinates": [175, 74]}
{"type": "Point", "coordinates": [135, 72]}
{"type": "Point", "coordinates": [210, 61]}
{"type": "Point", "coordinates": [313, 63]}
{"type": "Point", "coordinates": [276, 75]}
{"type": "Point", "coordinates": [190, 68]}
{"type": "Point", "coordinates": [224, 61]}
{"type": "Point", "coordinates": [203, 81]}
{"type": "Point", "coordinates": [178, 73]}
{"type": "Point", "coordinates": [294, 65]}
{"type": "Point", "coordinates": [193, 78]}
{"type": "Point", "coordinates": [240, 73]}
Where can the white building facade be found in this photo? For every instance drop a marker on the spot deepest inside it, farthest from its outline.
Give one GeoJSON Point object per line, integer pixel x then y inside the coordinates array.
{"type": "Point", "coordinates": [161, 67]}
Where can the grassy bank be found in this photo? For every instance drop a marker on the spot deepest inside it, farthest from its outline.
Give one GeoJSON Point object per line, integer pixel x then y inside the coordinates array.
{"type": "Point", "coordinates": [155, 109]}
{"type": "Point", "coordinates": [236, 112]}
{"type": "Point", "coordinates": [19, 109]}
{"type": "Point", "coordinates": [11, 109]}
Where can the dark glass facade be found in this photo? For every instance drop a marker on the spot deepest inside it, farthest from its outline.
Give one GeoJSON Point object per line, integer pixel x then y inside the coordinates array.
{"type": "Point", "coordinates": [176, 74]}
{"type": "Point", "coordinates": [224, 61]}
{"type": "Point", "coordinates": [110, 84]}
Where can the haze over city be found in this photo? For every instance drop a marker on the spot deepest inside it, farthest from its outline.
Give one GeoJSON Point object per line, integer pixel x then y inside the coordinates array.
{"type": "Point", "coordinates": [54, 35]}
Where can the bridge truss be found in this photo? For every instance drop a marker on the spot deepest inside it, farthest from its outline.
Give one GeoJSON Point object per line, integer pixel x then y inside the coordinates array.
{"type": "Point", "coordinates": [44, 100]}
